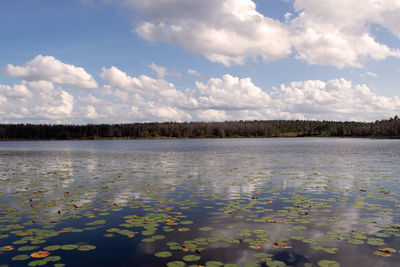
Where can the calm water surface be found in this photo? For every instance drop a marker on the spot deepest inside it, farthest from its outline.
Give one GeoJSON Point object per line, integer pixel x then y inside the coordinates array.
{"type": "Point", "coordinates": [250, 202]}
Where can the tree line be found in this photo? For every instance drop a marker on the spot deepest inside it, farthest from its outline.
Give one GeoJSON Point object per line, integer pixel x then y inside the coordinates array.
{"type": "Point", "coordinates": [228, 129]}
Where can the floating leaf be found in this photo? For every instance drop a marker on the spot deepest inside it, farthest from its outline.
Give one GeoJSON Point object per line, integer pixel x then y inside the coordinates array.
{"type": "Point", "coordinates": [176, 264]}
{"type": "Point", "coordinates": [7, 248]}
{"type": "Point", "coordinates": [37, 263]}
{"type": "Point", "coordinates": [261, 255]}
{"type": "Point", "coordinates": [86, 248]}
{"type": "Point", "coordinates": [191, 258]}
{"type": "Point", "coordinates": [27, 248]}
{"type": "Point", "coordinates": [186, 222]}
{"type": "Point", "coordinates": [206, 228]}
{"type": "Point", "coordinates": [375, 242]}
{"type": "Point", "coordinates": [281, 245]}
{"type": "Point", "coordinates": [52, 248]}
{"type": "Point", "coordinates": [20, 257]}
{"type": "Point", "coordinates": [53, 258]}
{"type": "Point", "coordinates": [40, 254]}
{"type": "Point", "coordinates": [163, 254]}
{"type": "Point", "coordinates": [214, 263]}
{"type": "Point", "coordinates": [328, 263]}
{"type": "Point", "coordinates": [69, 247]}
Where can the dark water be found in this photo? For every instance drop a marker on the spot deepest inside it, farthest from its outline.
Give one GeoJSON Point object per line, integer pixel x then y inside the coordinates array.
{"type": "Point", "coordinates": [250, 202]}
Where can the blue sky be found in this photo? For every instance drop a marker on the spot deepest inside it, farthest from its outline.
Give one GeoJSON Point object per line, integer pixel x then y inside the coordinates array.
{"type": "Point", "coordinates": [104, 61]}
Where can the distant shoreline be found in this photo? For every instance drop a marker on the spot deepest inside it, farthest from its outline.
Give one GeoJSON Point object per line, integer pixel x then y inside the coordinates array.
{"type": "Point", "coordinates": [383, 129]}
{"type": "Point", "coordinates": [201, 138]}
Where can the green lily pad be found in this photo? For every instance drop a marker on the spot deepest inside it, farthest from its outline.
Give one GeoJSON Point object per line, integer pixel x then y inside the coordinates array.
{"type": "Point", "coordinates": [27, 248]}
{"type": "Point", "coordinates": [37, 263]}
{"type": "Point", "coordinates": [375, 242]}
{"type": "Point", "coordinates": [328, 263]}
{"type": "Point", "coordinates": [356, 241]}
{"type": "Point", "coordinates": [69, 247]}
{"type": "Point", "coordinates": [191, 258]}
{"type": "Point", "coordinates": [53, 258]}
{"type": "Point", "coordinates": [20, 257]}
{"type": "Point", "coordinates": [214, 263]}
{"type": "Point", "coordinates": [206, 228]}
{"type": "Point", "coordinates": [330, 250]}
{"type": "Point", "coordinates": [186, 222]}
{"type": "Point", "coordinates": [163, 254]}
{"type": "Point", "coordinates": [52, 248]}
{"type": "Point", "coordinates": [176, 264]}
{"type": "Point", "coordinates": [86, 248]}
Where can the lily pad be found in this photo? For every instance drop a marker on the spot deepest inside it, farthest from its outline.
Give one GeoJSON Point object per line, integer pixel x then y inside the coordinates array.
{"type": "Point", "coordinates": [176, 264]}
{"type": "Point", "coordinates": [69, 247]}
{"type": "Point", "coordinates": [214, 263]}
{"type": "Point", "coordinates": [40, 254]}
{"type": "Point", "coordinates": [86, 248]}
{"type": "Point", "coordinates": [206, 228]}
{"type": "Point", "coordinates": [328, 263]}
{"type": "Point", "coordinates": [20, 257]}
{"type": "Point", "coordinates": [27, 248]}
{"type": "Point", "coordinates": [37, 263]}
{"type": "Point", "coordinates": [191, 258]}
{"type": "Point", "coordinates": [163, 254]}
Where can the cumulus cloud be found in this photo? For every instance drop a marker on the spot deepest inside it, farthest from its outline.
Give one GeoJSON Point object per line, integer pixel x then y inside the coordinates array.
{"type": "Point", "coordinates": [163, 71]}
{"type": "Point", "coordinates": [224, 31]}
{"type": "Point", "coordinates": [47, 68]}
{"type": "Point", "coordinates": [126, 98]}
{"type": "Point", "coordinates": [158, 90]}
{"type": "Point", "coordinates": [154, 99]}
{"type": "Point", "coordinates": [35, 101]}
{"type": "Point", "coordinates": [197, 74]}
{"type": "Point", "coordinates": [160, 70]}
{"type": "Point", "coordinates": [336, 99]}
{"type": "Point", "coordinates": [370, 74]}
{"type": "Point", "coordinates": [331, 32]}
{"type": "Point", "coordinates": [211, 115]}
{"type": "Point", "coordinates": [231, 93]}
{"type": "Point", "coordinates": [338, 33]}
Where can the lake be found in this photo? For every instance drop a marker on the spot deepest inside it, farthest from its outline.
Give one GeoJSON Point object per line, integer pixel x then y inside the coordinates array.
{"type": "Point", "coordinates": [211, 202]}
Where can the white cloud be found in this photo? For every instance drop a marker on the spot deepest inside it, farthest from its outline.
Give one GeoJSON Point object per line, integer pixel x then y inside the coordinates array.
{"type": "Point", "coordinates": [162, 72]}
{"type": "Point", "coordinates": [211, 115]}
{"type": "Point", "coordinates": [35, 101]}
{"type": "Point", "coordinates": [338, 33]}
{"type": "Point", "coordinates": [197, 74]}
{"type": "Point", "coordinates": [334, 100]}
{"type": "Point", "coordinates": [370, 74]}
{"type": "Point", "coordinates": [153, 99]}
{"type": "Point", "coordinates": [224, 31]}
{"type": "Point", "coordinates": [47, 68]}
{"type": "Point", "coordinates": [125, 98]}
{"type": "Point", "coordinates": [158, 90]}
{"type": "Point", "coordinates": [331, 32]}
{"type": "Point", "coordinates": [231, 93]}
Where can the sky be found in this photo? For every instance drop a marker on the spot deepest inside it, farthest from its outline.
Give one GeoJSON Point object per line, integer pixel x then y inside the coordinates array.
{"type": "Point", "coordinates": [125, 61]}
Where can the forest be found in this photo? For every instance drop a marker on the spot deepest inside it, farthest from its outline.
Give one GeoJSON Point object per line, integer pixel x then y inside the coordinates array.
{"type": "Point", "coordinates": [229, 129]}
